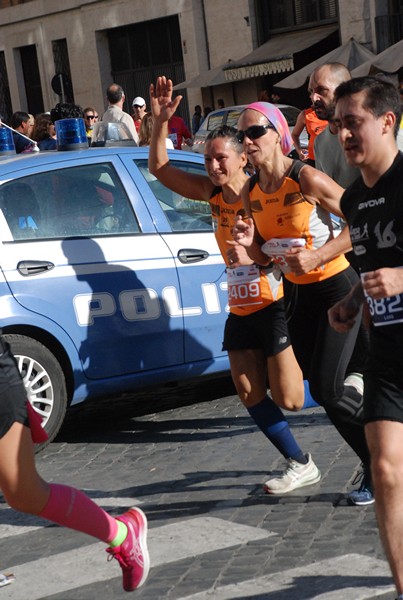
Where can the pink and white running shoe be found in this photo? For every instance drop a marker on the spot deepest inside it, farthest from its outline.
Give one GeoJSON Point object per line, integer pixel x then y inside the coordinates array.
{"type": "Point", "coordinates": [132, 554]}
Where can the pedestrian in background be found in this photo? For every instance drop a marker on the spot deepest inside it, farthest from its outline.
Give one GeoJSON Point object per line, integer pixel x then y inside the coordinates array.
{"type": "Point", "coordinates": [197, 119]}
{"type": "Point", "coordinates": [307, 119]}
{"type": "Point", "coordinates": [115, 113]}
{"type": "Point", "coordinates": [90, 118]}
{"type": "Point", "coordinates": [21, 122]}
{"type": "Point", "coordinates": [44, 132]}
{"type": "Point", "coordinates": [145, 132]}
{"type": "Point", "coordinates": [139, 110]}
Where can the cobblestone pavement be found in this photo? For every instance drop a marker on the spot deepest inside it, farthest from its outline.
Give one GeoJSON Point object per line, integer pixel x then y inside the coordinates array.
{"type": "Point", "coordinates": [197, 471]}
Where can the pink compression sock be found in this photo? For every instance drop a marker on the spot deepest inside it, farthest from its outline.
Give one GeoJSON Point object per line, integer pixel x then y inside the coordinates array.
{"type": "Point", "coordinates": [69, 507]}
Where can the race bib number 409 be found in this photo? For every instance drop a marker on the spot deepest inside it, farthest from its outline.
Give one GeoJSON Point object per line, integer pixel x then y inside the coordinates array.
{"type": "Point", "coordinates": [244, 286]}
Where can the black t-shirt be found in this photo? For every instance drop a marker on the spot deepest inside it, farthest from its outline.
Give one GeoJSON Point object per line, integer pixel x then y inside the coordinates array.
{"type": "Point", "coordinates": [375, 220]}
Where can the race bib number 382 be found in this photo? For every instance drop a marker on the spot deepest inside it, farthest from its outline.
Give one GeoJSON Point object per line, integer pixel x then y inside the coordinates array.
{"type": "Point", "coordinates": [244, 286]}
{"type": "Point", "coordinates": [385, 311]}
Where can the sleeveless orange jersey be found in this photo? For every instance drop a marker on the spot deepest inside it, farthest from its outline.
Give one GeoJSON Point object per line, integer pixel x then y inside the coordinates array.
{"type": "Point", "coordinates": [314, 127]}
{"type": "Point", "coordinates": [270, 286]}
{"type": "Point", "coordinates": [286, 214]}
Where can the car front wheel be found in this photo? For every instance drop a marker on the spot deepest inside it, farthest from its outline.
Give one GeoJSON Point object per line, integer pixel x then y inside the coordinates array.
{"type": "Point", "coordinates": [44, 382]}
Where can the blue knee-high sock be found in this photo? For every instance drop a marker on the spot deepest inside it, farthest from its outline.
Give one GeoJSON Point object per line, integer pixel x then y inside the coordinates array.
{"type": "Point", "coordinates": [309, 402]}
{"type": "Point", "coordinates": [271, 421]}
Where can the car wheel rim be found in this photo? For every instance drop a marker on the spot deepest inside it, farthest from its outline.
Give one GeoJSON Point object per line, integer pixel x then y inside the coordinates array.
{"type": "Point", "coordinates": [38, 386]}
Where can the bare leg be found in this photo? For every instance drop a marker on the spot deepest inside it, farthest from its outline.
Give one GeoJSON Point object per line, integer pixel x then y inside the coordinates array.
{"type": "Point", "coordinates": [385, 441]}
{"type": "Point", "coordinates": [286, 381]}
{"type": "Point", "coordinates": [20, 482]}
{"type": "Point", "coordinates": [249, 370]}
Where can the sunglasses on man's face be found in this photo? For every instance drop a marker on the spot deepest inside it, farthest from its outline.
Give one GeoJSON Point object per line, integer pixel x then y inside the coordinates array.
{"type": "Point", "coordinates": [138, 106]}
{"type": "Point", "coordinates": [91, 116]}
{"type": "Point", "coordinates": [253, 132]}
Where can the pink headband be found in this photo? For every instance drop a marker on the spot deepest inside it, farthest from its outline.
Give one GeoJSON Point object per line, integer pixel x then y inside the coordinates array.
{"type": "Point", "coordinates": [276, 118]}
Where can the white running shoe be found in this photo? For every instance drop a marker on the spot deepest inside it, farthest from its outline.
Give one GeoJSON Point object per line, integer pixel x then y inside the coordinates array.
{"type": "Point", "coordinates": [295, 476]}
{"type": "Point", "coordinates": [356, 381]}
{"type": "Point", "coordinates": [6, 579]}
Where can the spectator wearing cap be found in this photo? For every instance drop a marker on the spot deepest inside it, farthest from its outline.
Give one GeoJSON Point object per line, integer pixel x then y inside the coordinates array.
{"type": "Point", "coordinates": [139, 110]}
{"type": "Point", "coordinates": [115, 113]}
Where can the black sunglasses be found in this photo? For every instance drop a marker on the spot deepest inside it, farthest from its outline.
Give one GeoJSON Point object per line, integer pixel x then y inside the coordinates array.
{"type": "Point", "coordinates": [253, 132]}
{"type": "Point", "coordinates": [91, 116]}
{"type": "Point", "coordinates": [138, 106]}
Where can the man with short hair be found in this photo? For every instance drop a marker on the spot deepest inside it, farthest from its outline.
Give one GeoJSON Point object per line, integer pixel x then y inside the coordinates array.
{"type": "Point", "coordinates": [367, 117]}
{"type": "Point", "coordinates": [329, 156]}
{"type": "Point", "coordinates": [21, 122]}
{"type": "Point", "coordinates": [139, 110]}
{"type": "Point", "coordinates": [115, 113]}
{"type": "Point", "coordinates": [90, 117]}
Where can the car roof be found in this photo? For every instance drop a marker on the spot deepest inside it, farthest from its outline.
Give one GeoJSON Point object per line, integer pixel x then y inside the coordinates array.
{"type": "Point", "coordinates": [19, 162]}
{"type": "Point", "coordinates": [243, 106]}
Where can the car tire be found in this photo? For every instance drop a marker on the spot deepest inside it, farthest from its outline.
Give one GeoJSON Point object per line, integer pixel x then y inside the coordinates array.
{"type": "Point", "coordinates": [48, 394]}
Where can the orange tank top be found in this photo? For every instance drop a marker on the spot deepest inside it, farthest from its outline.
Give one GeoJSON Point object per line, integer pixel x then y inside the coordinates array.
{"type": "Point", "coordinates": [249, 288]}
{"type": "Point", "coordinates": [287, 215]}
{"type": "Point", "coordinates": [314, 127]}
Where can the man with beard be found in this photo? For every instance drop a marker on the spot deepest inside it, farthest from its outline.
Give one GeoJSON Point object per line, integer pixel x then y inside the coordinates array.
{"type": "Point", "coordinates": [329, 158]}
{"type": "Point", "coordinates": [329, 155]}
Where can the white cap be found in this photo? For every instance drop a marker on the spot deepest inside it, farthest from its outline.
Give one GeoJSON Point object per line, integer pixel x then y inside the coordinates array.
{"type": "Point", "coordinates": [139, 101]}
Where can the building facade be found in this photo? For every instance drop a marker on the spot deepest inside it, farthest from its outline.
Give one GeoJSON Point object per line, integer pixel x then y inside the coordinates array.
{"type": "Point", "coordinates": [71, 50]}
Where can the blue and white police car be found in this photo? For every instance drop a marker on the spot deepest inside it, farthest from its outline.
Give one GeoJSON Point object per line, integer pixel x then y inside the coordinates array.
{"type": "Point", "coordinates": [109, 281]}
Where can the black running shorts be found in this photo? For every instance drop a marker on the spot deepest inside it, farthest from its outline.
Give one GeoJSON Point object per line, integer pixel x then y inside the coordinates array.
{"type": "Point", "coordinates": [264, 329]}
{"type": "Point", "coordinates": [383, 393]}
{"type": "Point", "coordinates": [13, 397]}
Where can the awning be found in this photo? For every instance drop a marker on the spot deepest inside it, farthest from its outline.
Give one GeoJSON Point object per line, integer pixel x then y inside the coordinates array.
{"type": "Point", "coordinates": [276, 55]}
{"type": "Point", "coordinates": [207, 78]}
{"type": "Point", "coordinates": [388, 61]}
{"type": "Point", "coordinates": [351, 54]}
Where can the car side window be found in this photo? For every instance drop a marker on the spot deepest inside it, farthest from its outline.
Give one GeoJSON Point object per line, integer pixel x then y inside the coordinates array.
{"type": "Point", "coordinates": [215, 120]}
{"type": "Point", "coordinates": [232, 118]}
{"type": "Point", "coordinates": [80, 201]}
{"type": "Point", "coordinates": [183, 214]}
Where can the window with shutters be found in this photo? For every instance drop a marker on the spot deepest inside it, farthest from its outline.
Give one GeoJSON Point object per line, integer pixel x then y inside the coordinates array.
{"type": "Point", "coordinates": [274, 16]}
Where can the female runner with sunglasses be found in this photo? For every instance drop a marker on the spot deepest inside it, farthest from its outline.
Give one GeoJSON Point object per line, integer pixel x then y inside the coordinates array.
{"type": "Point", "coordinates": [288, 202]}
{"type": "Point", "coordinates": [256, 335]}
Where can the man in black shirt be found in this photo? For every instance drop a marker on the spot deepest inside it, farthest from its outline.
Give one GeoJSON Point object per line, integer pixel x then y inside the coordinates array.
{"type": "Point", "coordinates": [368, 113]}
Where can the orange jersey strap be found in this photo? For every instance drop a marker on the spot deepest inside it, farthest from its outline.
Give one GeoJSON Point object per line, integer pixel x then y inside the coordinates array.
{"type": "Point", "coordinates": [250, 288]}
{"type": "Point", "coordinates": [286, 214]}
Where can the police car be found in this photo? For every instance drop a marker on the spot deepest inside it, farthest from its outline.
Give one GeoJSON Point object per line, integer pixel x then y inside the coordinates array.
{"type": "Point", "coordinates": [109, 281]}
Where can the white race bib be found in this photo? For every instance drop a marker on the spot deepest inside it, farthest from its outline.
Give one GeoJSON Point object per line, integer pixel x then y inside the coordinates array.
{"type": "Point", "coordinates": [385, 311]}
{"type": "Point", "coordinates": [277, 248]}
{"type": "Point", "coordinates": [244, 286]}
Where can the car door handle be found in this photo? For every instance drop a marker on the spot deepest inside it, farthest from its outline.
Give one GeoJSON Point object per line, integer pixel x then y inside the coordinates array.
{"type": "Point", "coordinates": [192, 255]}
{"type": "Point", "coordinates": [34, 267]}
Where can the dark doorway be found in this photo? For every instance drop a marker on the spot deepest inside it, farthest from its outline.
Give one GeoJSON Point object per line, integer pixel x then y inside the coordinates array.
{"type": "Point", "coordinates": [32, 80]}
{"type": "Point", "coordinates": [141, 52]}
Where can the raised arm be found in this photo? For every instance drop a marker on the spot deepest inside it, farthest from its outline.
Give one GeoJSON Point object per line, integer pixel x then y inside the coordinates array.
{"type": "Point", "coordinates": [296, 132]}
{"type": "Point", "coordinates": [197, 187]}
